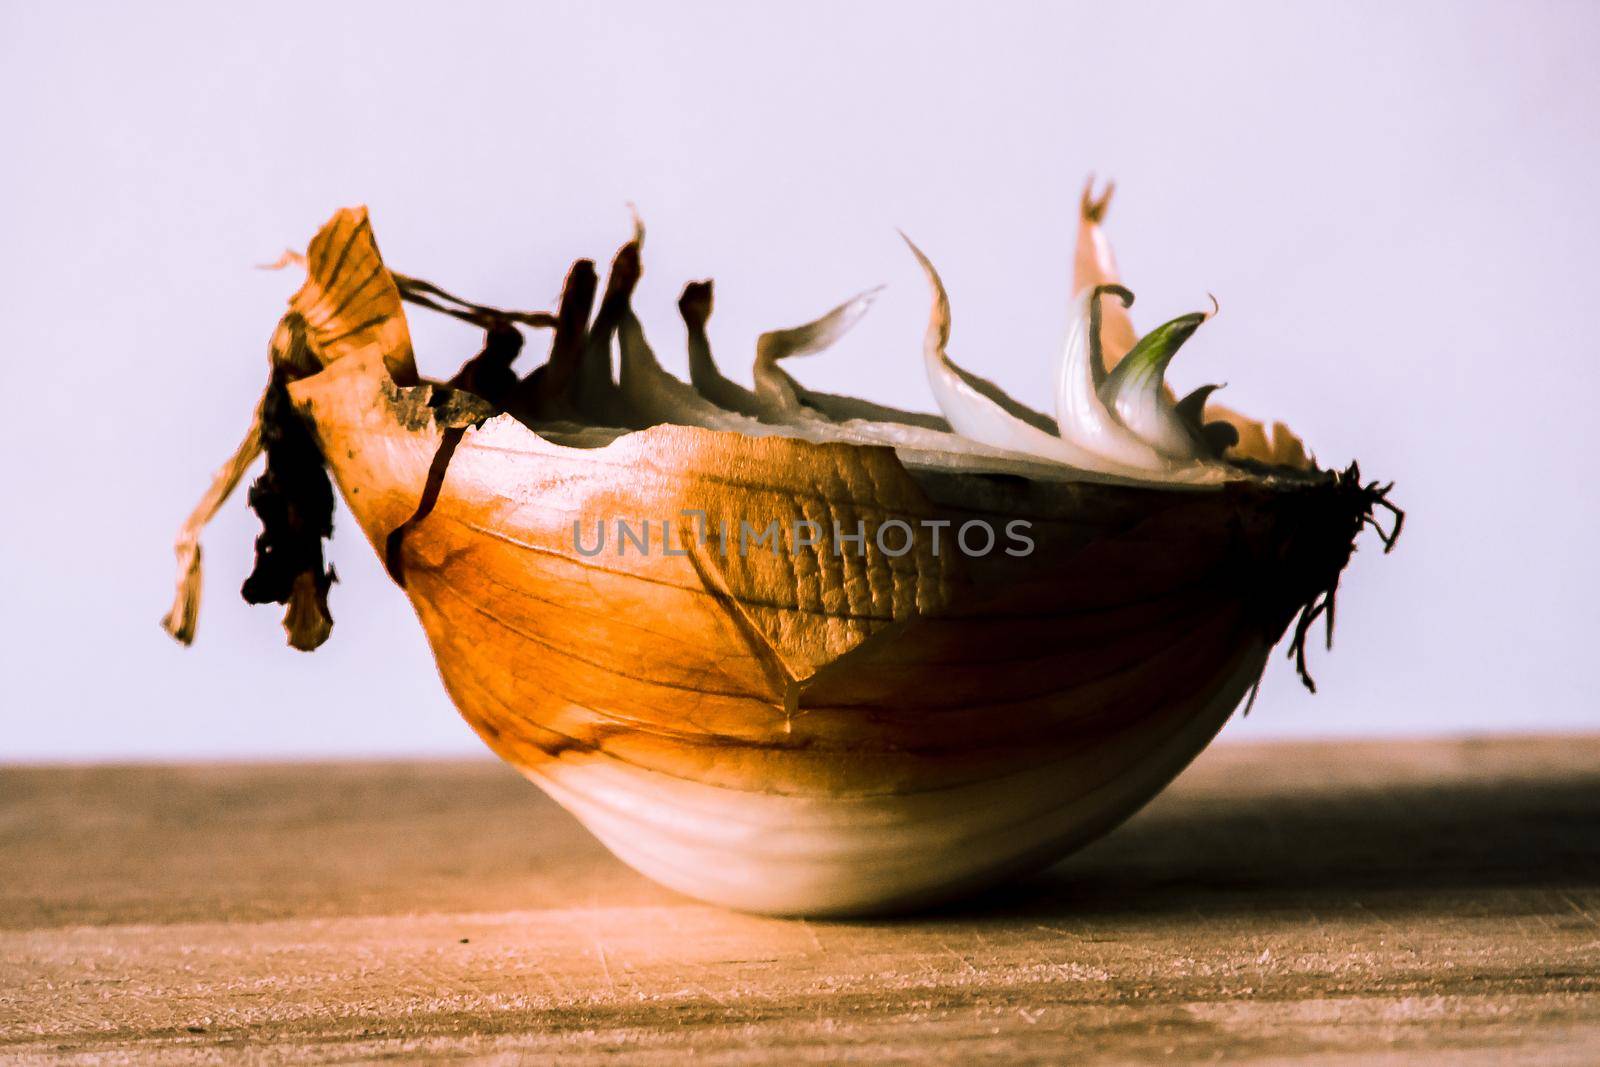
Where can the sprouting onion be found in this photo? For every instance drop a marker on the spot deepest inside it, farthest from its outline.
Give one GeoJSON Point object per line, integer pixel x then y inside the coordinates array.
{"type": "Point", "coordinates": [843, 658]}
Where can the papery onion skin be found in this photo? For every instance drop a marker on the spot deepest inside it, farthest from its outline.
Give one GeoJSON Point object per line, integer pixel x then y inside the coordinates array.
{"type": "Point", "coordinates": [695, 307]}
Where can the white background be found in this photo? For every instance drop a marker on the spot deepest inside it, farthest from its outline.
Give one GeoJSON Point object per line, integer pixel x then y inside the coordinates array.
{"type": "Point", "coordinates": [1395, 205]}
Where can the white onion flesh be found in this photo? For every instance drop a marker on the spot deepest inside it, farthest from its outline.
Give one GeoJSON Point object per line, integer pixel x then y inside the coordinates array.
{"type": "Point", "coordinates": [1082, 417]}
{"type": "Point", "coordinates": [1119, 427]}
{"type": "Point", "coordinates": [972, 413]}
{"type": "Point", "coordinates": [1135, 391]}
{"type": "Point", "coordinates": [1089, 438]}
{"type": "Point", "coordinates": [774, 387]}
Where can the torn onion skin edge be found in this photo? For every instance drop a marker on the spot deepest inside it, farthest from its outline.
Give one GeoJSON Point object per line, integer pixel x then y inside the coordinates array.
{"type": "Point", "coordinates": [912, 726]}
{"type": "Point", "coordinates": [294, 501]}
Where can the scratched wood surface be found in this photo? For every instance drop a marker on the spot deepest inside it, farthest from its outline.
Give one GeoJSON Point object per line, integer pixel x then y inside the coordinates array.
{"type": "Point", "coordinates": [1367, 903]}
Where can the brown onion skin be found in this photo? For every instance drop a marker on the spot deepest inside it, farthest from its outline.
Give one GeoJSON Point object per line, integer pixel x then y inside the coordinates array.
{"type": "Point", "coordinates": [809, 672]}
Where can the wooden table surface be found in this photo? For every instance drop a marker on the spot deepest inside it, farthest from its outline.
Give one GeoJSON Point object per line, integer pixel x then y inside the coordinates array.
{"type": "Point", "coordinates": [1369, 903]}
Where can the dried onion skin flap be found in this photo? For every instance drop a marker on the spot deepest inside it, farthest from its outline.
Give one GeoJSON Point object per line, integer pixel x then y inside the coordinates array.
{"type": "Point", "coordinates": [820, 725]}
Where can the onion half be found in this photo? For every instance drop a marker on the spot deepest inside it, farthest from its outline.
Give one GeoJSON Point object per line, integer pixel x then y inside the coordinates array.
{"type": "Point", "coordinates": [872, 709]}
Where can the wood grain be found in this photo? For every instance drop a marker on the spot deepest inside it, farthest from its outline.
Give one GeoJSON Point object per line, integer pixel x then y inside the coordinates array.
{"type": "Point", "coordinates": [1362, 903]}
